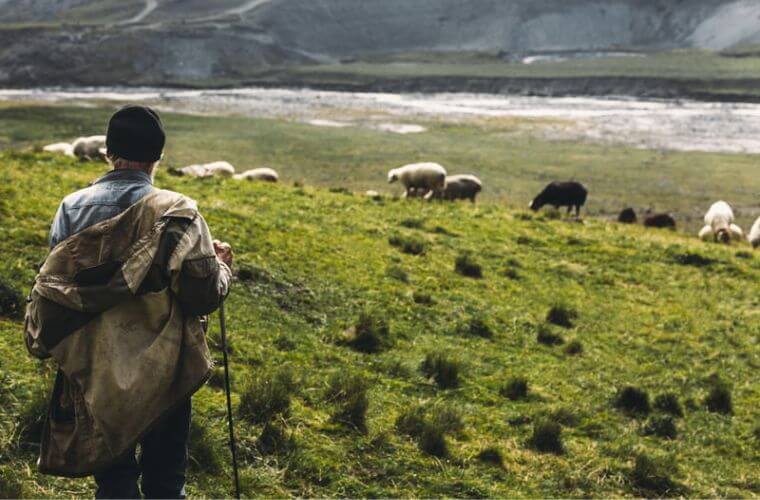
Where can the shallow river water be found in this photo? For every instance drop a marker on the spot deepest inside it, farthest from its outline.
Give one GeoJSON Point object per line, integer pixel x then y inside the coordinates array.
{"type": "Point", "coordinates": [658, 124]}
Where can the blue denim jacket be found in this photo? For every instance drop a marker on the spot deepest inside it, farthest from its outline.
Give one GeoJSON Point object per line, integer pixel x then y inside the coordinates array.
{"type": "Point", "coordinates": [105, 198]}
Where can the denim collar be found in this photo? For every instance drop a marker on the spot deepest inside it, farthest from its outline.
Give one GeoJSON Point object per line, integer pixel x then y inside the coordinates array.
{"type": "Point", "coordinates": [125, 174]}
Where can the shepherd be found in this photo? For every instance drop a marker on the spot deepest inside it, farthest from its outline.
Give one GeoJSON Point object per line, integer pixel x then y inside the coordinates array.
{"type": "Point", "coordinates": [118, 305]}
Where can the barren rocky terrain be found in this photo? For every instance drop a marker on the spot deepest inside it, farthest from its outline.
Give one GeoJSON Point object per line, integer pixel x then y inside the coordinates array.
{"type": "Point", "coordinates": [228, 42]}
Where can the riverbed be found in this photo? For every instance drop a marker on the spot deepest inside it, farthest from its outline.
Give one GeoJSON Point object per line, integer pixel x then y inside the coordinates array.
{"type": "Point", "coordinates": [651, 124]}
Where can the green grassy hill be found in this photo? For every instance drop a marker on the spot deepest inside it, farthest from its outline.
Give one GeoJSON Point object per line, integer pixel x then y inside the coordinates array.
{"type": "Point", "coordinates": [514, 157]}
{"type": "Point", "coordinates": [440, 407]}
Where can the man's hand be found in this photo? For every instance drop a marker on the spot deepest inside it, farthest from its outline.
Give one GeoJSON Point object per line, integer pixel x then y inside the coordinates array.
{"type": "Point", "coordinates": [223, 252]}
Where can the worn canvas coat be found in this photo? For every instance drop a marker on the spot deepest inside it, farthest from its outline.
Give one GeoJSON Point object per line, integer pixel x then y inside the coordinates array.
{"type": "Point", "coordinates": [117, 306]}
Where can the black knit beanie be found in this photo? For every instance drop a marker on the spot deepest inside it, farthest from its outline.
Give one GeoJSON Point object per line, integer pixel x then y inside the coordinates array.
{"type": "Point", "coordinates": [135, 133]}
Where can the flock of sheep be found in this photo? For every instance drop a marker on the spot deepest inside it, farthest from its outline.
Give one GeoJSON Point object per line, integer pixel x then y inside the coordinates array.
{"type": "Point", "coordinates": [431, 181]}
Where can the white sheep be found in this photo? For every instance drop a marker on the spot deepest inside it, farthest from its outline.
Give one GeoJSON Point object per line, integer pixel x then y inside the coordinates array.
{"type": "Point", "coordinates": [427, 177]}
{"type": "Point", "coordinates": [461, 187]}
{"type": "Point", "coordinates": [90, 148]}
{"type": "Point", "coordinates": [63, 148]}
{"type": "Point", "coordinates": [754, 234]}
{"type": "Point", "coordinates": [215, 168]}
{"type": "Point", "coordinates": [259, 174]}
{"type": "Point", "coordinates": [719, 224]}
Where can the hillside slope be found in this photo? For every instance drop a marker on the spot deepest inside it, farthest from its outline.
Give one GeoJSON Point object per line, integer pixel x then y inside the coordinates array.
{"type": "Point", "coordinates": [163, 42]}
{"type": "Point", "coordinates": [654, 310]}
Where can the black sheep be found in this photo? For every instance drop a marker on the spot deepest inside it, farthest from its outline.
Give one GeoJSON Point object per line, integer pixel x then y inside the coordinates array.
{"type": "Point", "coordinates": [660, 220]}
{"type": "Point", "coordinates": [561, 194]}
{"type": "Point", "coordinates": [627, 216]}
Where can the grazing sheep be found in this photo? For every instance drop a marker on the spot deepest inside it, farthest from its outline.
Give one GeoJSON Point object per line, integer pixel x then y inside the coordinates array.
{"type": "Point", "coordinates": [216, 168]}
{"type": "Point", "coordinates": [627, 216]}
{"type": "Point", "coordinates": [429, 177]}
{"type": "Point", "coordinates": [754, 234]}
{"type": "Point", "coordinates": [719, 224]}
{"type": "Point", "coordinates": [660, 220]}
{"type": "Point", "coordinates": [460, 187]}
{"type": "Point", "coordinates": [259, 174]}
{"type": "Point", "coordinates": [63, 148]}
{"type": "Point", "coordinates": [561, 194]}
{"type": "Point", "coordinates": [90, 148]}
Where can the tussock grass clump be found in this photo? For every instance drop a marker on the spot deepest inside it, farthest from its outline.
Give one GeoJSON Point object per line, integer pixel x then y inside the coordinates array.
{"type": "Point", "coordinates": [515, 389]}
{"type": "Point", "coordinates": [573, 348]}
{"type": "Point", "coordinates": [412, 421]}
{"type": "Point", "coordinates": [413, 223]}
{"type": "Point", "coordinates": [663, 426]}
{"type": "Point", "coordinates": [466, 265]}
{"type": "Point", "coordinates": [693, 259]}
{"type": "Point", "coordinates": [10, 484]}
{"type": "Point", "coordinates": [718, 400]}
{"type": "Point", "coordinates": [651, 478]}
{"type": "Point", "coordinates": [423, 299]}
{"type": "Point", "coordinates": [266, 396]}
{"type": "Point", "coordinates": [274, 440]}
{"type": "Point", "coordinates": [348, 391]}
{"type": "Point", "coordinates": [203, 454]}
{"type": "Point", "coordinates": [493, 456]}
{"type": "Point", "coordinates": [547, 337]}
{"type": "Point", "coordinates": [511, 273]}
{"type": "Point", "coordinates": [547, 438]}
{"type": "Point", "coordinates": [476, 327]}
{"type": "Point", "coordinates": [561, 315]}
{"type": "Point", "coordinates": [284, 343]}
{"type": "Point", "coordinates": [633, 401]}
{"type": "Point", "coordinates": [441, 368]}
{"type": "Point", "coordinates": [11, 302]}
{"type": "Point", "coordinates": [449, 419]}
{"type": "Point", "coordinates": [411, 245]}
{"type": "Point", "coordinates": [430, 433]}
{"type": "Point", "coordinates": [397, 273]}
{"type": "Point", "coordinates": [744, 255]}
{"type": "Point", "coordinates": [668, 403]}
{"type": "Point", "coordinates": [341, 190]}
{"type": "Point", "coordinates": [432, 440]}
{"type": "Point", "coordinates": [31, 421]}
{"type": "Point", "coordinates": [371, 333]}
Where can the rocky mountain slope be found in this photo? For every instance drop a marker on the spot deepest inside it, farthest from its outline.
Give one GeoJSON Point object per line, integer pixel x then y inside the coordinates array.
{"type": "Point", "coordinates": [196, 42]}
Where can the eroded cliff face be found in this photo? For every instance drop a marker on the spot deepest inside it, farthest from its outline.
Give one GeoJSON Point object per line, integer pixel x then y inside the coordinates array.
{"type": "Point", "coordinates": [102, 42]}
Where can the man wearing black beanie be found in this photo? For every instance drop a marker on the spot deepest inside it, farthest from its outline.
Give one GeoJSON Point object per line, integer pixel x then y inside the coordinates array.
{"type": "Point", "coordinates": [145, 269]}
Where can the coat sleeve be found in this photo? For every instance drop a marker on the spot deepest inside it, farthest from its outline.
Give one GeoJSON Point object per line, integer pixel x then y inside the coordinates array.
{"type": "Point", "coordinates": [203, 281]}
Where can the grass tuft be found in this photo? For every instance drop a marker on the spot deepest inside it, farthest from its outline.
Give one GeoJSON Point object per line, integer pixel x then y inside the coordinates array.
{"type": "Point", "coordinates": [348, 392]}
{"type": "Point", "coordinates": [443, 369]}
{"type": "Point", "coordinates": [397, 273]}
{"type": "Point", "coordinates": [371, 333]}
{"type": "Point", "coordinates": [633, 401]}
{"type": "Point", "coordinates": [11, 302]}
{"type": "Point", "coordinates": [422, 298]}
{"type": "Point", "coordinates": [573, 348]}
{"type": "Point", "coordinates": [547, 337]}
{"type": "Point", "coordinates": [561, 315]}
{"type": "Point", "coordinates": [274, 440]}
{"type": "Point", "coordinates": [663, 426]}
{"type": "Point", "coordinates": [668, 403]}
{"type": "Point", "coordinates": [266, 396]}
{"type": "Point", "coordinates": [411, 245]}
{"type": "Point", "coordinates": [203, 455]}
{"type": "Point", "coordinates": [493, 456]}
{"type": "Point", "coordinates": [466, 265]}
{"type": "Point", "coordinates": [515, 389]}
{"type": "Point", "coordinates": [31, 421]}
{"type": "Point", "coordinates": [547, 438]}
{"type": "Point", "coordinates": [476, 327]}
{"type": "Point", "coordinates": [10, 484]}
{"type": "Point", "coordinates": [412, 421]}
{"type": "Point", "coordinates": [432, 440]}
{"type": "Point", "coordinates": [718, 400]}
{"type": "Point", "coordinates": [413, 223]}
{"type": "Point", "coordinates": [651, 478]}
